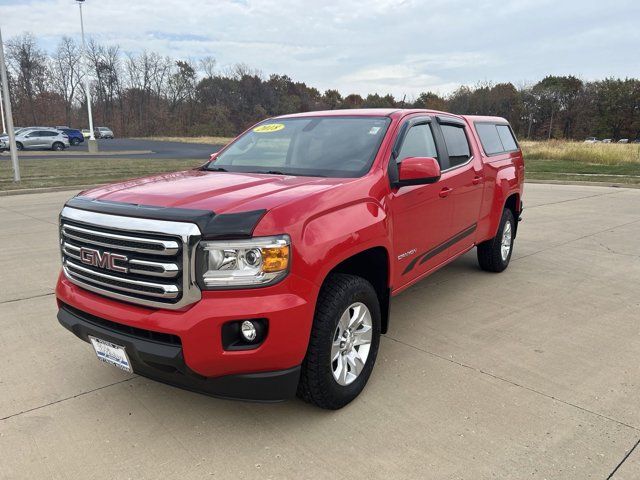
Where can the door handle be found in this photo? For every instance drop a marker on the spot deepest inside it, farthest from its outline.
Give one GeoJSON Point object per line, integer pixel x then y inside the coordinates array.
{"type": "Point", "coordinates": [477, 179]}
{"type": "Point", "coordinates": [445, 192]}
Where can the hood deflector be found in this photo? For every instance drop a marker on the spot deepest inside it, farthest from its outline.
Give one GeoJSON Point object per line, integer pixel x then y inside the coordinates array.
{"type": "Point", "coordinates": [212, 226]}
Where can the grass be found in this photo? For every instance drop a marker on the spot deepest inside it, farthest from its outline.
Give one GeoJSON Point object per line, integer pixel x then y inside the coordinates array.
{"type": "Point", "coordinates": [590, 153]}
{"type": "Point", "coordinates": [556, 160]}
{"type": "Point", "coordinates": [205, 140]}
{"type": "Point", "coordinates": [576, 161]}
{"type": "Point", "coordinates": [38, 173]}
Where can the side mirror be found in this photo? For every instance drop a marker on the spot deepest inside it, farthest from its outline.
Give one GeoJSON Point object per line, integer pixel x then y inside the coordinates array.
{"type": "Point", "coordinates": [213, 157]}
{"type": "Point", "coordinates": [418, 171]}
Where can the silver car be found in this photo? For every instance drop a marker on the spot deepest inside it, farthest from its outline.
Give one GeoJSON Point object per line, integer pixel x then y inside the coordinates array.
{"type": "Point", "coordinates": [104, 132]}
{"type": "Point", "coordinates": [41, 139]}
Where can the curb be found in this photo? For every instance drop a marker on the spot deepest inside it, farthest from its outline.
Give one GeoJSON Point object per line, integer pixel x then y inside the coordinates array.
{"type": "Point", "coordinates": [586, 184]}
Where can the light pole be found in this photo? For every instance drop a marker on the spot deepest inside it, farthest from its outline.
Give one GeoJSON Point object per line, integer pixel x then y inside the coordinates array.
{"type": "Point", "coordinates": [4, 127]}
{"type": "Point", "coordinates": [93, 145]}
{"type": "Point", "coordinates": [5, 95]}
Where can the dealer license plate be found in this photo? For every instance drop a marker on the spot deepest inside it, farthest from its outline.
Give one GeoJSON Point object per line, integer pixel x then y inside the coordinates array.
{"type": "Point", "coordinates": [112, 354]}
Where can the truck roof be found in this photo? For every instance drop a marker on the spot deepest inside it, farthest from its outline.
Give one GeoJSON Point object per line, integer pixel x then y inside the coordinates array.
{"type": "Point", "coordinates": [391, 112]}
{"type": "Point", "coordinates": [366, 112]}
{"type": "Point", "coordinates": [485, 118]}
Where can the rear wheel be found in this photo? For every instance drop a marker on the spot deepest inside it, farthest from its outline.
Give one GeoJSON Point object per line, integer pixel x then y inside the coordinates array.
{"type": "Point", "coordinates": [494, 255]}
{"type": "Point", "coordinates": [57, 146]}
{"type": "Point", "coordinates": [344, 342]}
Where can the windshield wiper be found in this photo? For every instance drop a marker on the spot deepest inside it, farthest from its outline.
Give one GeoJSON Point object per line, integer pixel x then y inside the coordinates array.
{"type": "Point", "coordinates": [217, 169]}
{"type": "Point", "coordinates": [269, 172]}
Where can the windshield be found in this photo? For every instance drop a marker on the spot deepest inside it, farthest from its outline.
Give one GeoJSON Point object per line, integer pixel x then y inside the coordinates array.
{"type": "Point", "coordinates": [311, 146]}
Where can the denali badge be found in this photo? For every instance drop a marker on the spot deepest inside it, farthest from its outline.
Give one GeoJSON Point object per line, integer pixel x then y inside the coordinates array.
{"type": "Point", "coordinates": [105, 260]}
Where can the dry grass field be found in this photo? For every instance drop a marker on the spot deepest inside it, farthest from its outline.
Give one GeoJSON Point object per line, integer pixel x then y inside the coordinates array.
{"type": "Point", "coordinates": [597, 153]}
{"type": "Point", "coordinates": [577, 161]}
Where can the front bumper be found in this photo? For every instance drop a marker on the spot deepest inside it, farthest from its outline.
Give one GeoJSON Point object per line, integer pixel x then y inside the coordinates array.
{"type": "Point", "coordinates": [160, 358]}
{"type": "Point", "coordinates": [197, 359]}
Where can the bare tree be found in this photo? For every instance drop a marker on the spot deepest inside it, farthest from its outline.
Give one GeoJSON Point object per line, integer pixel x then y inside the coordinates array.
{"type": "Point", "coordinates": [28, 64]}
{"type": "Point", "coordinates": [66, 73]}
{"type": "Point", "coordinates": [208, 66]}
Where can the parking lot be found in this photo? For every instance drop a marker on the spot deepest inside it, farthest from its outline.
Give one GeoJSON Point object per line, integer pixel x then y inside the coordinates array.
{"type": "Point", "coordinates": [532, 373]}
{"type": "Point", "coordinates": [146, 149]}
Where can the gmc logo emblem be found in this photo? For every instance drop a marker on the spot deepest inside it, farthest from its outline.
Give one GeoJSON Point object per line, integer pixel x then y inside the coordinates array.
{"type": "Point", "coordinates": [104, 260]}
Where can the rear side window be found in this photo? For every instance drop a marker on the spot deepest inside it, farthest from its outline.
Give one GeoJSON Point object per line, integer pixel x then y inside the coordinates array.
{"type": "Point", "coordinates": [418, 142]}
{"type": "Point", "coordinates": [506, 136]}
{"type": "Point", "coordinates": [496, 139]}
{"type": "Point", "coordinates": [490, 139]}
{"type": "Point", "coordinates": [457, 145]}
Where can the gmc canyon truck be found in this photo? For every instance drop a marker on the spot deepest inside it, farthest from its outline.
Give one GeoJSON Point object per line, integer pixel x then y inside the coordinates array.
{"type": "Point", "coordinates": [269, 270]}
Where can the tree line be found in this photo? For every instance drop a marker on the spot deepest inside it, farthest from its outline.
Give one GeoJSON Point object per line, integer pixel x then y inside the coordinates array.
{"type": "Point", "coordinates": [147, 94]}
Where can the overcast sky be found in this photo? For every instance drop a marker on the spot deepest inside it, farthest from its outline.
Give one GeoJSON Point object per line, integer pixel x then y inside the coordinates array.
{"type": "Point", "coordinates": [385, 46]}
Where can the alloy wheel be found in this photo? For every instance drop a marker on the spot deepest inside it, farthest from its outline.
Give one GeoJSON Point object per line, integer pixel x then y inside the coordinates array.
{"type": "Point", "coordinates": [351, 343]}
{"type": "Point", "coordinates": [505, 247]}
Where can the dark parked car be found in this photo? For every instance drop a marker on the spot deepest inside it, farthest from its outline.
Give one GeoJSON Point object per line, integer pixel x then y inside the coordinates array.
{"type": "Point", "coordinates": [75, 136]}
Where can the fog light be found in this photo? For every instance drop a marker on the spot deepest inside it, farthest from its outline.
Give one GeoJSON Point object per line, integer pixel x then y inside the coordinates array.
{"type": "Point", "coordinates": [248, 330]}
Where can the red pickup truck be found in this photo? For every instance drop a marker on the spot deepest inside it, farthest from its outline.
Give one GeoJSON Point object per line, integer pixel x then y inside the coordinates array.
{"type": "Point", "coordinates": [269, 270]}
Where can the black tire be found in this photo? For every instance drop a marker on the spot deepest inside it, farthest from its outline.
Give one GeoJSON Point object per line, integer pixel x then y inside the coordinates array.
{"type": "Point", "coordinates": [19, 146]}
{"type": "Point", "coordinates": [490, 252]}
{"type": "Point", "coordinates": [75, 142]}
{"type": "Point", "coordinates": [57, 146]}
{"type": "Point", "coordinates": [317, 384]}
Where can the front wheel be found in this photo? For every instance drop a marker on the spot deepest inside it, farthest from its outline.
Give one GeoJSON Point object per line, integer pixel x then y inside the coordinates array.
{"type": "Point", "coordinates": [344, 342]}
{"type": "Point", "coordinates": [494, 254]}
{"type": "Point", "coordinates": [19, 146]}
{"type": "Point", "coordinates": [75, 142]}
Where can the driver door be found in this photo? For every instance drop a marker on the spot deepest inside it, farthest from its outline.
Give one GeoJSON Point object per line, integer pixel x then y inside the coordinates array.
{"type": "Point", "coordinates": [421, 216]}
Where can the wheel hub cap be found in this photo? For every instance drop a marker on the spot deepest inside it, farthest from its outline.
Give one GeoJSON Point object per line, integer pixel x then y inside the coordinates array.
{"type": "Point", "coordinates": [505, 246]}
{"type": "Point", "coordinates": [351, 343]}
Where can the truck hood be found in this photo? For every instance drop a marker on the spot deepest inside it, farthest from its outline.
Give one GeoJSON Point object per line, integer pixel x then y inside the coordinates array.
{"type": "Point", "coordinates": [220, 192]}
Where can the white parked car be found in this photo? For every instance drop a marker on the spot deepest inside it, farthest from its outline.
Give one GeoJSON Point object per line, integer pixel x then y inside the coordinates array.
{"type": "Point", "coordinates": [41, 138]}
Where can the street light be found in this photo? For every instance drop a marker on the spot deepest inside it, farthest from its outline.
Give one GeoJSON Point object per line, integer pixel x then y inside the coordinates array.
{"type": "Point", "coordinates": [4, 81]}
{"type": "Point", "coordinates": [4, 127]}
{"type": "Point", "coordinates": [93, 145]}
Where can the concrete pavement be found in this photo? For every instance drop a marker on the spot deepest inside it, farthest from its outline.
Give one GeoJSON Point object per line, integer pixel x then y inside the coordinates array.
{"type": "Point", "coordinates": [532, 373]}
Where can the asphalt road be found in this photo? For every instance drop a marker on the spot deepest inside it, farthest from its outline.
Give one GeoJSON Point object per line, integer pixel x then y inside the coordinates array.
{"type": "Point", "coordinates": [528, 374]}
{"type": "Point", "coordinates": [177, 150]}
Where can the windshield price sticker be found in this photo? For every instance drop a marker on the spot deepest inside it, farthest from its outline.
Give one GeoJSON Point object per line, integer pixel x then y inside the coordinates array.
{"type": "Point", "coordinates": [272, 127]}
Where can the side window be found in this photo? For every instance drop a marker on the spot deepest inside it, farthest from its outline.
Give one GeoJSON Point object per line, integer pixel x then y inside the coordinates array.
{"type": "Point", "coordinates": [49, 134]}
{"type": "Point", "coordinates": [490, 138]}
{"type": "Point", "coordinates": [506, 136]}
{"type": "Point", "coordinates": [457, 145]}
{"type": "Point", "coordinates": [418, 142]}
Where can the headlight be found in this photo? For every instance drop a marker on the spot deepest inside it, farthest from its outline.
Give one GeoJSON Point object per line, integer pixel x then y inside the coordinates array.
{"type": "Point", "coordinates": [243, 263]}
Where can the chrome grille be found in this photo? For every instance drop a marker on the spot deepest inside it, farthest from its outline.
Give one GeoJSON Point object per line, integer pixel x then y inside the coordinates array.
{"type": "Point", "coordinates": [143, 261]}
